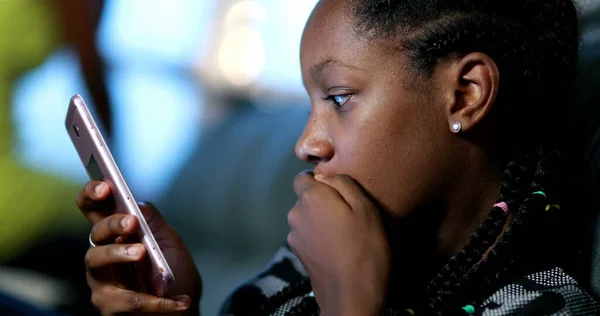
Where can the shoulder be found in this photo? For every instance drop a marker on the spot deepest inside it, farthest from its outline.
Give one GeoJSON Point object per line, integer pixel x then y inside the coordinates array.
{"type": "Point", "coordinates": [543, 293]}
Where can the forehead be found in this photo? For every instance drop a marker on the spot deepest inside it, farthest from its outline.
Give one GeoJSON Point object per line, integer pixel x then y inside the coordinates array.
{"type": "Point", "coordinates": [330, 34]}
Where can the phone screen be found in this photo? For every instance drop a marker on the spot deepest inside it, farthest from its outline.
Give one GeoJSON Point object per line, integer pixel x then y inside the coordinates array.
{"type": "Point", "coordinates": [94, 170]}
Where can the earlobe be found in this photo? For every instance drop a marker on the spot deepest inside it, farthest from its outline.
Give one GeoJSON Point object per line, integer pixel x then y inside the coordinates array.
{"type": "Point", "coordinates": [475, 79]}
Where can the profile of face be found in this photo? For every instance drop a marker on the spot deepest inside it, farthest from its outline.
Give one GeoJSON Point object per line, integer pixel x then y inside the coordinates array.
{"type": "Point", "coordinates": [366, 121]}
{"type": "Point", "coordinates": [372, 121]}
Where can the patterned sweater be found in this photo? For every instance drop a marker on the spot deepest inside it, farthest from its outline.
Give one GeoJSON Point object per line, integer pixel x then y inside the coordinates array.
{"type": "Point", "coordinates": [550, 292]}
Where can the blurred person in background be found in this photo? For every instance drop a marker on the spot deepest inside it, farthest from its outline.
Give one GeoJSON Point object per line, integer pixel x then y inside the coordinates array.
{"type": "Point", "coordinates": [37, 217]}
{"type": "Point", "coordinates": [29, 31]}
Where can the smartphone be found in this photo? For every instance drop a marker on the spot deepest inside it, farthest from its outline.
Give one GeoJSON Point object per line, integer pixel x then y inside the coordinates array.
{"type": "Point", "coordinates": [100, 165]}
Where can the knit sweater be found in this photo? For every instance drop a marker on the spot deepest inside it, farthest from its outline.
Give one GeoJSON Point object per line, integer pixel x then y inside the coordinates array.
{"type": "Point", "coordinates": [550, 292]}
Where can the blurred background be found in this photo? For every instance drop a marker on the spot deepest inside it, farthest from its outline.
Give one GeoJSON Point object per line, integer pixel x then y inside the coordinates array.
{"type": "Point", "coordinates": [201, 102]}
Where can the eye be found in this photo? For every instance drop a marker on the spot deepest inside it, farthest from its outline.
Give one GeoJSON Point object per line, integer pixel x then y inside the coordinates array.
{"type": "Point", "coordinates": [339, 100]}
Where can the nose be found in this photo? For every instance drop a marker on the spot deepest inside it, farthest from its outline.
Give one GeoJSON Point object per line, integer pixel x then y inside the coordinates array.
{"type": "Point", "coordinates": [314, 145]}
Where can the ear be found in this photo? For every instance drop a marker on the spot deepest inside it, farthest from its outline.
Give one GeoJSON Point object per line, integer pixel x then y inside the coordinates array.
{"type": "Point", "coordinates": [474, 80]}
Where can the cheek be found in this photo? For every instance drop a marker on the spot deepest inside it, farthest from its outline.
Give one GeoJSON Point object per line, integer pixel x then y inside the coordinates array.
{"type": "Point", "coordinates": [387, 151]}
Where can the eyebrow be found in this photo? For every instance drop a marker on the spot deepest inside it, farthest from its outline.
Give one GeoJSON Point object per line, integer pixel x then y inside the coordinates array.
{"type": "Point", "coordinates": [317, 69]}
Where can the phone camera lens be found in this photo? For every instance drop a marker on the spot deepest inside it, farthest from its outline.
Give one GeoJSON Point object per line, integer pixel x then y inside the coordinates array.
{"type": "Point", "coordinates": [76, 130]}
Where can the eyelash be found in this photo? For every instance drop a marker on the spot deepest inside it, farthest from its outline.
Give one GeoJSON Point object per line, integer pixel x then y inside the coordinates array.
{"type": "Point", "coordinates": [332, 99]}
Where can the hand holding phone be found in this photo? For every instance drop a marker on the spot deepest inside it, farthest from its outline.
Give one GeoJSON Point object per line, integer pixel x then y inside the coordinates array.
{"type": "Point", "coordinates": [119, 223]}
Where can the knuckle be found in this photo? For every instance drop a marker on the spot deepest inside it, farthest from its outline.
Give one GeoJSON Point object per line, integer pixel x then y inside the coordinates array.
{"type": "Point", "coordinates": [290, 240]}
{"type": "Point", "coordinates": [114, 224]}
{"type": "Point", "coordinates": [164, 305]}
{"type": "Point", "coordinates": [306, 195]}
{"type": "Point", "coordinates": [136, 303]}
{"type": "Point", "coordinates": [88, 259]}
{"type": "Point", "coordinates": [301, 175]}
{"type": "Point", "coordinates": [80, 199]}
{"type": "Point", "coordinates": [97, 299]}
{"type": "Point", "coordinates": [113, 252]}
{"type": "Point", "coordinates": [88, 190]}
{"type": "Point", "coordinates": [102, 298]}
{"type": "Point", "coordinates": [292, 217]}
{"type": "Point", "coordinates": [296, 180]}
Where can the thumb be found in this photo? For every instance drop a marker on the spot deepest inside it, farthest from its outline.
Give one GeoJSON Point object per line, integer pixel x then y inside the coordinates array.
{"type": "Point", "coordinates": [350, 190]}
{"type": "Point", "coordinates": [154, 219]}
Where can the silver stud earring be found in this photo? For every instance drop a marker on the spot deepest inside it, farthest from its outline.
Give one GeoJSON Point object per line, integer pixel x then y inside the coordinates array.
{"type": "Point", "coordinates": [456, 126]}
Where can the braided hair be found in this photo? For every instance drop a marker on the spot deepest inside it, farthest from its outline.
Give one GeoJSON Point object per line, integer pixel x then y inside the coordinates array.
{"type": "Point", "coordinates": [535, 45]}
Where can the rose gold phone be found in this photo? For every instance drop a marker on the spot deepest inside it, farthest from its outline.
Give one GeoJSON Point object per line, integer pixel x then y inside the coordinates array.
{"type": "Point", "coordinates": [100, 165]}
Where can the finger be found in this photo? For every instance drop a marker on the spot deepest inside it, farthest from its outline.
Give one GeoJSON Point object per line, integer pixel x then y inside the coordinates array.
{"type": "Point", "coordinates": [107, 229]}
{"type": "Point", "coordinates": [308, 188]}
{"type": "Point", "coordinates": [304, 181]}
{"type": "Point", "coordinates": [93, 200]}
{"type": "Point", "coordinates": [350, 190]}
{"type": "Point", "coordinates": [153, 218]}
{"type": "Point", "coordinates": [127, 239]}
{"type": "Point", "coordinates": [103, 256]}
{"type": "Point", "coordinates": [147, 303]}
{"type": "Point", "coordinates": [164, 234]}
{"type": "Point", "coordinates": [292, 217]}
{"type": "Point", "coordinates": [113, 300]}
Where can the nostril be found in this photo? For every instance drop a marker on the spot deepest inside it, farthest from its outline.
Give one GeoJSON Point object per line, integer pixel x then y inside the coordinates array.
{"type": "Point", "coordinates": [313, 159]}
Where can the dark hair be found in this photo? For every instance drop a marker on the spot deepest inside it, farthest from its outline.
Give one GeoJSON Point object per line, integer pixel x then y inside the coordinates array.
{"type": "Point", "coordinates": [533, 42]}
{"type": "Point", "coordinates": [535, 45]}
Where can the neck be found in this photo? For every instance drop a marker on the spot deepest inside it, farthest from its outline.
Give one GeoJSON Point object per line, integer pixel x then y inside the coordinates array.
{"type": "Point", "coordinates": [471, 193]}
{"type": "Point", "coordinates": [424, 243]}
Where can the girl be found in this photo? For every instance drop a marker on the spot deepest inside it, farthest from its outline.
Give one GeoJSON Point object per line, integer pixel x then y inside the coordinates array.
{"type": "Point", "coordinates": [438, 185]}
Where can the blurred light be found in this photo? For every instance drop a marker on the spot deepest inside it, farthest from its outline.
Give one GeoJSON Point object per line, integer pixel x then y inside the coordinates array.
{"type": "Point", "coordinates": [148, 45]}
{"type": "Point", "coordinates": [150, 31]}
{"type": "Point", "coordinates": [282, 35]}
{"type": "Point", "coordinates": [234, 54]}
{"type": "Point", "coordinates": [244, 13]}
{"type": "Point", "coordinates": [242, 56]}
{"type": "Point", "coordinates": [41, 98]}
{"type": "Point", "coordinates": [156, 111]}
{"type": "Point", "coordinates": [157, 121]}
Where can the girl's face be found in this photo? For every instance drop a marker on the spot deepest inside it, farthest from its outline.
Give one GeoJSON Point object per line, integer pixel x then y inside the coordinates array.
{"type": "Point", "coordinates": [366, 120]}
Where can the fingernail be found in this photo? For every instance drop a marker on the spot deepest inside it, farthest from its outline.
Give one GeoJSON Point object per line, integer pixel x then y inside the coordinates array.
{"type": "Point", "coordinates": [319, 177]}
{"type": "Point", "coordinates": [126, 221]}
{"type": "Point", "coordinates": [133, 250]}
{"type": "Point", "coordinates": [182, 303]}
{"type": "Point", "coordinates": [101, 188]}
{"type": "Point", "coordinates": [181, 300]}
